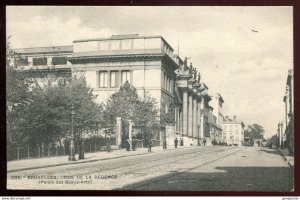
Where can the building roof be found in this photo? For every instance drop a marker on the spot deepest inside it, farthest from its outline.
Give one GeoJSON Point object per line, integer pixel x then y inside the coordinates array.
{"type": "Point", "coordinates": [51, 49]}
{"type": "Point", "coordinates": [128, 36]}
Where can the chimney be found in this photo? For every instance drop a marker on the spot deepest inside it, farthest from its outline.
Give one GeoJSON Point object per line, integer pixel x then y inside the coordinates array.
{"type": "Point", "coordinates": [226, 118]}
{"type": "Point", "coordinates": [234, 118]}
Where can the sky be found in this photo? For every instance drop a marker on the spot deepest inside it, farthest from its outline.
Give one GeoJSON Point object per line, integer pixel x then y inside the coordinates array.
{"type": "Point", "coordinates": [243, 53]}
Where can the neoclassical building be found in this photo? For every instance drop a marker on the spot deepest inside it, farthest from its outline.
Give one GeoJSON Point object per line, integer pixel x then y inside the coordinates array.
{"type": "Point", "coordinates": [146, 62]}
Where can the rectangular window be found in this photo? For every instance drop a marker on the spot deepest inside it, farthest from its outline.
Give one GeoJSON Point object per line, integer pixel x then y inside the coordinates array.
{"type": "Point", "coordinates": [59, 60]}
{"type": "Point", "coordinates": [125, 77]}
{"type": "Point", "coordinates": [39, 61]}
{"type": "Point", "coordinates": [113, 79]}
{"type": "Point", "coordinates": [230, 130]}
{"type": "Point", "coordinates": [102, 79]}
{"type": "Point", "coordinates": [166, 80]}
{"type": "Point", "coordinates": [22, 60]}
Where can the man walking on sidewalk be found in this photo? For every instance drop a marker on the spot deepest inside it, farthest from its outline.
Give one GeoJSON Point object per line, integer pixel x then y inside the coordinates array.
{"type": "Point", "coordinates": [176, 142]}
{"type": "Point", "coordinates": [149, 145]}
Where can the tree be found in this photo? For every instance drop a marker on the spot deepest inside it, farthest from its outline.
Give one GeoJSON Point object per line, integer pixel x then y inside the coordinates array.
{"type": "Point", "coordinates": [18, 96]}
{"type": "Point", "coordinates": [48, 116]}
{"type": "Point", "coordinates": [254, 131]}
{"type": "Point", "coordinates": [126, 104]}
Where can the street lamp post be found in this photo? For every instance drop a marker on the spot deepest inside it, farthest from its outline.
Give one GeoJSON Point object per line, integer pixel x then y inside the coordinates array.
{"type": "Point", "coordinates": [72, 145]}
{"type": "Point", "coordinates": [198, 130]}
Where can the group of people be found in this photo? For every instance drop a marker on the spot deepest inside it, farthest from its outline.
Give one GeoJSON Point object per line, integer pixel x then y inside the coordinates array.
{"type": "Point", "coordinates": [176, 141]}
{"type": "Point", "coordinates": [181, 142]}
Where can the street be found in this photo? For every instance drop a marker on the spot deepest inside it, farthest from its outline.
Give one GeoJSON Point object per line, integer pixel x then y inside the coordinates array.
{"type": "Point", "coordinates": [211, 168]}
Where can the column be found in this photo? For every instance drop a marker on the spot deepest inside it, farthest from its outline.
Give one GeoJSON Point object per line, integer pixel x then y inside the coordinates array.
{"type": "Point", "coordinates": [195, 117]}
{"type": "Point", "coordinates": [130, 133]}
{"type": "Point", "coordinates": [108, 78]}
{"type": "Point", "coordinates": [185, 113]}
{"type": "Point", "coordinates": [202, 118]}
{"type": "Point", "coordinates": [120, 78]}
{"type": "Point", "coordinates": [190, 116]}
{"type": "Point", "coordinates": [198, 119]}
{"type": "Point", "coordinates": [97, 79]}
{"type": "Point", "coordinates": [119, 132]}
{"type": "Point", "coordinates": [180, 122]}
{"type": "Point", "coordinates": [176, 119]}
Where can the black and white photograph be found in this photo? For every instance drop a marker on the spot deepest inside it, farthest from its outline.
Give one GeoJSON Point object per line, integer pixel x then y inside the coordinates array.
{"type": "Point", "coordinates": [144, 98]}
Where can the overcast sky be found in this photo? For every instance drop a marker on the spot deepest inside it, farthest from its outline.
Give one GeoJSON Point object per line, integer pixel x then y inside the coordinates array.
{"type": "Point", "coordinates": [243, 53]}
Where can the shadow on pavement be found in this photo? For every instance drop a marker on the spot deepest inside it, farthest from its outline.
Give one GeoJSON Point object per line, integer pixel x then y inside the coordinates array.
{"type": "Point", "coordinates": [272, 151]}
{"type": "Point", "coordinates": [258, 179]}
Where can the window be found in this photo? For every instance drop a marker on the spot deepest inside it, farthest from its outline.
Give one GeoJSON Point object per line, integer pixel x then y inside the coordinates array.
{"type": "Point", "coordinates": [125, 77]}
{"type": "Point", "coordinates": [113, 79]}
{"type": "Point", "coordinates": [230, 130]}
{"type": "Point", "coordinates": [39, 61]}
{"type": "Point", "coordinates": [22, 60]}
{"type": "Point", "coordinates": [59, 60]}
{"type": "Point", "coordinates": [102, 79]}
{"type": "Point", "coordinates": [236, 129]}
{"type": "Point", "coordinates": [166, 80]}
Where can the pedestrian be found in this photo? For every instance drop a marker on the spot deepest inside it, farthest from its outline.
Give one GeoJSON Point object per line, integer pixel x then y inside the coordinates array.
{"type": "Point", "coordinates": [127, 145]}
{"type": "Point", "coordinates": [204, 141]}
{"type": "Point", "coordinates": [164, 144]}
{"type": "Point", "coordinates": [149, 145]}
{"type": "Point", "coordinates": [133, 144]}
{"type": "Point", "coordinates": [176, 142]}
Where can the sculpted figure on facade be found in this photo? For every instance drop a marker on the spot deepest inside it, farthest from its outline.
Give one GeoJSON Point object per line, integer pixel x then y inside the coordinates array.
{"type": "Point", "coordinates": [199, 77]}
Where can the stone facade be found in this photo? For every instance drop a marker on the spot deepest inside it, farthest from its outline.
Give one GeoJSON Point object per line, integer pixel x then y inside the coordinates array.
{"type": "Point", "coordinates": [233, 131]}
{"type": "Point", "coordinates": [289, 112]}
{"type": "Point", "coordinates": [146, 62]}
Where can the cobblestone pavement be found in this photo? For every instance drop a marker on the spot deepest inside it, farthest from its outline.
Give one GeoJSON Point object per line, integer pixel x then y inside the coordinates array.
{"type": "Point", "coordinates": [214, 168]}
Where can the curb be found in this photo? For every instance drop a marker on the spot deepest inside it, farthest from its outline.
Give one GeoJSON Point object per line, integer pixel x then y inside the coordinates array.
{"type": "Point", "coordinates": [283, 156]}
{"type": "Point", "coordinates": [87, 161]}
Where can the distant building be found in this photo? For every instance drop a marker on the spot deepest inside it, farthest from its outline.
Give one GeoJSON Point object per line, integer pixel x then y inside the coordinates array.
{"type": "Point", "coordinates": [233, 131]}
{"type": "Point", "coordinates": [217, 117]}
{"type": "Point", "coordinates": [280, 135]}
{"type": "Point", "coordinates": [289, 112]}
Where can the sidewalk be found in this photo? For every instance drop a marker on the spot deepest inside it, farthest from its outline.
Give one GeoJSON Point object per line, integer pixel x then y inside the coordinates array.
{"type": "Point", "coordinates": [286, 156]}
{"type": "Point", "coordinates": [36, 163]}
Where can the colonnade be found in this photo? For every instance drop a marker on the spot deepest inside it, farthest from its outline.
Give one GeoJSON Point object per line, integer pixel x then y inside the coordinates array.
{"type": "Point", "coordinates": [189, 119]}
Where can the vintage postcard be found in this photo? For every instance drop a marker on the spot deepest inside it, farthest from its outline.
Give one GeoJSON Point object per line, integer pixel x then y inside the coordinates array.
{"type": "Point", "coordinates": [150, 98]}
